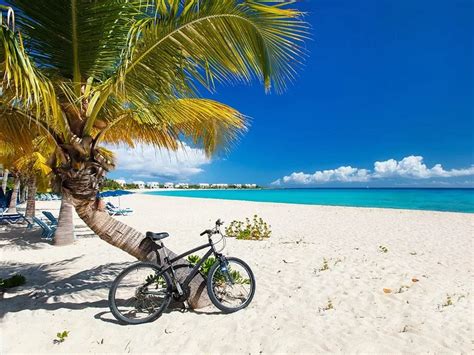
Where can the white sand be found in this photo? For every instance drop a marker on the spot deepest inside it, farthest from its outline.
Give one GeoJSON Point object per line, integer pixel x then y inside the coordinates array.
{"type": "Point", "coordinates": [67, 286]}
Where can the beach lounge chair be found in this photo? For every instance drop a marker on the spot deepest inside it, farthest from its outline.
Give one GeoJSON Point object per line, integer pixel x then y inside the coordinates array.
{"type": "Point", "coordinates": [48, 231]}
{"type": "Point", "coordinates": [13, 218]}
{"type": "Point", "coordinates": [117, 211]}
{"type": "Point", "coordinates": [51, 218]}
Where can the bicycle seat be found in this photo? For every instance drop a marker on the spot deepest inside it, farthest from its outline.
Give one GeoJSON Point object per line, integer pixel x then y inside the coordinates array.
{"type": "Point", "coordinates": [157, 236]}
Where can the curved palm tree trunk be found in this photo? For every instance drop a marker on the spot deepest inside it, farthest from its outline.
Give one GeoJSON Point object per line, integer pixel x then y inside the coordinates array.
{"type": "Point", "coordinates": [136, 244]}
{"type": "Point", "coordinates": [31, 198]}
{"type": "Point", "coordinates": [64, 234]}
{"type": "Point", "coordinates": [80, 178]}
{"type": "Point", "coordinates": [16, 188]}
{"type": "Point", "coordinates": [5, 180]}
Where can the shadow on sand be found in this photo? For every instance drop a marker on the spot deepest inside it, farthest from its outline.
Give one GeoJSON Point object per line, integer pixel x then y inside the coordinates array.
{"type": "Point", "coordinates": [46, 287]}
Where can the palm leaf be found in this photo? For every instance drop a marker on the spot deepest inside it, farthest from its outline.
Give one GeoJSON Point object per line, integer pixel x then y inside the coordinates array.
{"type": "Point", "coordinates": [207, 123]}
{"type": "Point", "coordinates": [23, 86]}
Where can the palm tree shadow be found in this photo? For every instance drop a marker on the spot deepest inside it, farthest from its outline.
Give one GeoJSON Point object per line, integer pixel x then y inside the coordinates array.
{"type": "Point", "coordinates": [21, 237]}
{"type": "Point", "coordinates": [47, 289]}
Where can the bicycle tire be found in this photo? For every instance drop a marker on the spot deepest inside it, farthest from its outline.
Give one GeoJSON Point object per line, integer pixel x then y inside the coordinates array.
{"type": "Point", "coordinates": [114, 308]}
{"type": "Point", "coordinates": [211, 285]}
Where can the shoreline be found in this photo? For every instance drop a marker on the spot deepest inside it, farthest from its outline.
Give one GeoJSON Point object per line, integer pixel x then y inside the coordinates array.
{"type": "Point", "coordinates": [150, 193]}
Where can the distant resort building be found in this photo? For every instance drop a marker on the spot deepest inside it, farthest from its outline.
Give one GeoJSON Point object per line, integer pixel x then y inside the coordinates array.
{"type": "Point", "coordinates": [250, 186]}
{"type": "Point", "coordinates": [182, 186]}
{"type": "Point", "coordinates": [121, 182]}
{"type": "Point", "coordinates": [237, 186]}
{"type": "Point", "coordinates": [140, 184]}
{"type": "Point", "coordinates": [153, 185]}
{"type": "Point", "coordinates": [169, 185]}
{"type": "Point", "coordinates": [204, 186]}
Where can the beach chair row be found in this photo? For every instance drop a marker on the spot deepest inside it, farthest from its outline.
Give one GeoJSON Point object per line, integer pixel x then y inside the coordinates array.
{"type": "Point", "coordinates": [48, 227]}
{"type": "Point", "coordinates": [117, 211]}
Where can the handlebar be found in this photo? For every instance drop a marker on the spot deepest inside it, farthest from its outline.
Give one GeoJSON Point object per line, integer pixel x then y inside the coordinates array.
{"type": "Point", "coordinates": [215, 230]}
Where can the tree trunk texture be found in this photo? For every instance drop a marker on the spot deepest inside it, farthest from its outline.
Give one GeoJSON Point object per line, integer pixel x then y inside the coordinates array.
{"type": "Point", "coordinates": [31, 198]}
{"type": "Point", "coordinates": [80, 177]}
{"type": "Point", "coordinates": [64, 234]}
{"type": "Point", "coordinates": [5, 180]}
{"type": "Point", "coordinates": [16, 188]}
{"type": "Point", "coordinates": [136, 244]}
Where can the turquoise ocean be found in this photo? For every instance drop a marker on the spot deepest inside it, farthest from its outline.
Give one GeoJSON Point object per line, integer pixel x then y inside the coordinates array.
{"type": "Point", "coordinates": [453, 200]}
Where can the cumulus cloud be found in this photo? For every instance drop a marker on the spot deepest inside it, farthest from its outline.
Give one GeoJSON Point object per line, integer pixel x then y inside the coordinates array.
{"type": "Point", "coordinates": [147, 162]}
{"type": "Point", "coordinates": [411, 167]}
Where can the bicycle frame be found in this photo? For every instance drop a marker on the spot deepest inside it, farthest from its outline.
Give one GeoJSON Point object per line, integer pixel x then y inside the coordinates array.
{"type": "Point", "coordinates": [195, 270]}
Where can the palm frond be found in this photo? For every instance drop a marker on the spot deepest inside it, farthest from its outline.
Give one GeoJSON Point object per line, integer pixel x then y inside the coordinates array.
{"type": "Point", "coordinates": [75, 39]}
{"type": "Point", "coordinates": [23, 86]}
{"type": "Point", "coordinates": [207, 123]}
{"type": "Point", "coordinates": [222, 41]}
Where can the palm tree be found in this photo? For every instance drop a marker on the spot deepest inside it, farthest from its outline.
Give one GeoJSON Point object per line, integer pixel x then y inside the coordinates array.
{"type": "Point", "coordinates": [5, 180]}
{"type": "Point", "coordinates": [34, 169]}
{"type": "Point", "coordinates": [129, 71]}
{"type": "Point", "coordinates": [28, 164]}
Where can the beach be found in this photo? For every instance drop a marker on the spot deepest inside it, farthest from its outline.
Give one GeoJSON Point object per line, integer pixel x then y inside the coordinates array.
{"type": "Point", "coordinates": [329, 279]}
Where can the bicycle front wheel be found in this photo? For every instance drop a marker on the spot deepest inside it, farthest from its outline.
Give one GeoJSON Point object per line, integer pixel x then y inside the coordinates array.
{"type": "Point", "coordinates": [140, 293]}
{"type": "Point", "coordinates": [231, 285]}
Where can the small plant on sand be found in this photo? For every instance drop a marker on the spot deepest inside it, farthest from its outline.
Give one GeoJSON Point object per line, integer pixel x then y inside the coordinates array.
{"type": "Point", "coordinates": [255, 229]}
{"type": "Point", "coordinates": [325, 265]}
{"type": "Point", "coordinates": [327, 307]}
{"type": "Point", "coordinates": [61, 337]}
{"type": "Point", "coordinates": [448, 302]}
{"type": "Point", "coordinates": [383, 249]}
{"type": "Point", "coordinates": [14, 281]}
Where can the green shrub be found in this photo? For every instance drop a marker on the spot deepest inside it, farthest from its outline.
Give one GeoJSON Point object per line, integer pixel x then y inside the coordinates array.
{"type": "Point", "coordinates": [256, 229]}
{"type": "Point", "coordinates": [14, 281]}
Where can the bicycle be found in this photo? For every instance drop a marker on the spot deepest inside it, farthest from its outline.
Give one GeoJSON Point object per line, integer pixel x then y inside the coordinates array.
{"type": "Point", "coordinates": [143, 291]}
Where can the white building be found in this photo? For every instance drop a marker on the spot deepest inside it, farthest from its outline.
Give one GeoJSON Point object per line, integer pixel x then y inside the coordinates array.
{"type": "Point", "coordinates": [140, 184]}
{"type": "Point", "coordinates": [238, 186]}
{"type": "Point", "coordinates": [204, 186]}
{"type": "Point", "coordinates": [182, 186]}
{"type": "Point", "coordinates": [153, 185]}
{"type": "Point", "coordinates": [251, 186]}
{"type": "Point", "coordinates": [121, 182]}
{"type": "Point", "coordinates": [169, 185]}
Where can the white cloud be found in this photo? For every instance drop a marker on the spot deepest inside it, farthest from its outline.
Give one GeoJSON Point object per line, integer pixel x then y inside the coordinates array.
{"type": "Point", "coordinates": [147, 162]}
{"type": "Point", "coordinates": [411, 167]}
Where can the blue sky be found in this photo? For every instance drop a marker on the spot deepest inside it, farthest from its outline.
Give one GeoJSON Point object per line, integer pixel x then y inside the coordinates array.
{"type": "Point", "coordinates": [384, 80]}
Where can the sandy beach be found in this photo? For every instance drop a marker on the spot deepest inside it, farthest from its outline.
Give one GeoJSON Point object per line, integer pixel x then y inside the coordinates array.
{"type": "Point", "coordinates": [320, 283]}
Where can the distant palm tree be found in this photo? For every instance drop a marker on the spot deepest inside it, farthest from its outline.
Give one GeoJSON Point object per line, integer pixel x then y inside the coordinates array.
{"type": "Point", "coordinates": [27, 163]}
{"type": "Point", "coordinates": [129, 71]}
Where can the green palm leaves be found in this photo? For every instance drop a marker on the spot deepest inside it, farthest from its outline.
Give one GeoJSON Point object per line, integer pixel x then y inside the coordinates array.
{"type": "Point", "coordinates": [127, 71]}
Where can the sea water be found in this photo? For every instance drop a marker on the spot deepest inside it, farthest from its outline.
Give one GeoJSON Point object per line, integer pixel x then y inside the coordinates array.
{"type": "Point", "coordinates": [453, 200]}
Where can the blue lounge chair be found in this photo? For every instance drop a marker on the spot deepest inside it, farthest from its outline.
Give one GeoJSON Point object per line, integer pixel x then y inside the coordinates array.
{"type": "Point", "coordinates": [117, 211]}
{"type": "Point", "coordinates": [13, 218]}
{"type": "Point", "coordinates": [51, 218]}
{"type": "Point", "coordinates": [48, 231]}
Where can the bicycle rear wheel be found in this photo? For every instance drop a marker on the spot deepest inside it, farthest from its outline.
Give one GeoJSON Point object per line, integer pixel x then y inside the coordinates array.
{"type": "Point", "coordinates": [140, 294]}
{"type": "Point", "coordinates": [231, 285]}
